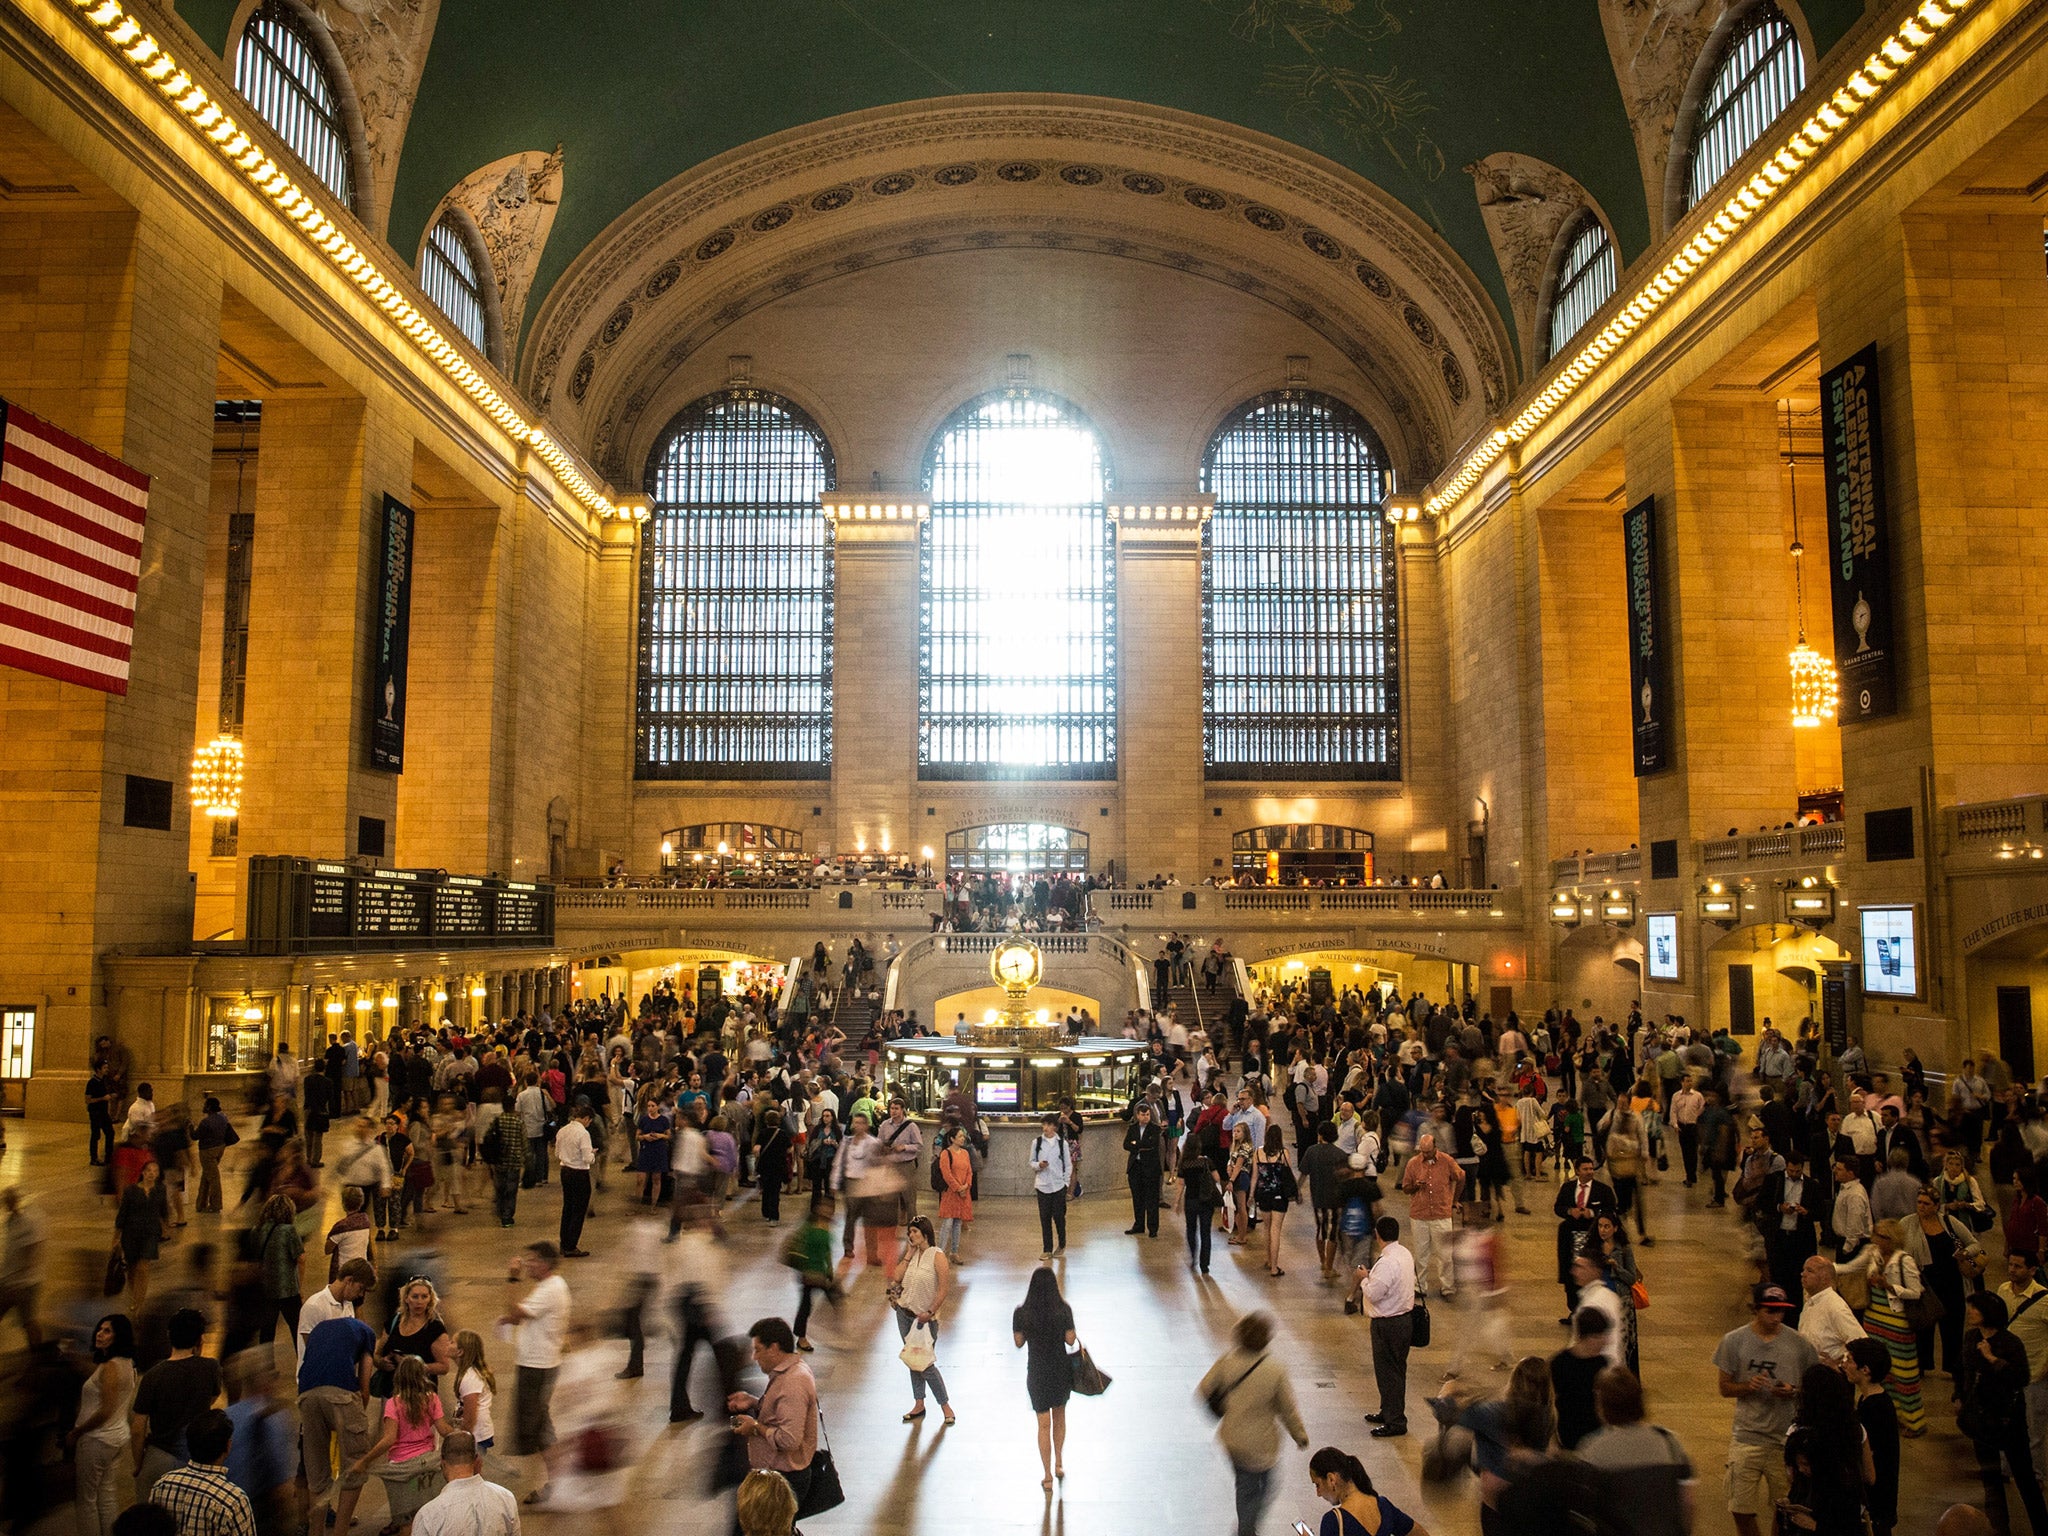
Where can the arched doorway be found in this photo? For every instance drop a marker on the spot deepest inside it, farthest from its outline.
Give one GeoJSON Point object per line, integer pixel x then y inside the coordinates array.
{"type": "Point", "coordinates": [1766, 974]}
{"type": "Point", "coordinates": [1301, 854]}
{"type": "Point", "coordinates": [1017, 848]}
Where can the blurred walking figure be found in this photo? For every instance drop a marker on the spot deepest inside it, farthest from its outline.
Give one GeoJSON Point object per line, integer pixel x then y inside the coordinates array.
{"type": "Point", "coordinates": [1249, 1392]}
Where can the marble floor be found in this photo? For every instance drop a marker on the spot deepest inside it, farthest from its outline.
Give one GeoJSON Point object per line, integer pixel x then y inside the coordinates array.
{"type": "Point", "coordinates": [1139, 1459]}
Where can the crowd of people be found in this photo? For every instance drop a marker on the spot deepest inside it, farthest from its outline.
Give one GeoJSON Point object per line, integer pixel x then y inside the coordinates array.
{"type": "Point", "coordinates": [1411, 1129]}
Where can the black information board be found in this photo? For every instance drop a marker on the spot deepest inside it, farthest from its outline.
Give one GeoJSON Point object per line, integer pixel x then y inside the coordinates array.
{"type": "Point", "coordinates": [300, 905]}
{"type": "Point", "coordinates": [393, 640]}
{"type": "Point", "coordinates": [1834, 1012]}
{"type": "Point", "coordinates": [1649, 671]}
{"type": "Point", "coordinates": [1859, 539]}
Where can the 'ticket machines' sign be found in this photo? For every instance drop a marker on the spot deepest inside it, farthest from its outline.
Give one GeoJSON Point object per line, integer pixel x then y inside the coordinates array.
{"type": "Point", "coordinates": [393, 636]}
{"type": "Point", "coordinates": [1859, 539]}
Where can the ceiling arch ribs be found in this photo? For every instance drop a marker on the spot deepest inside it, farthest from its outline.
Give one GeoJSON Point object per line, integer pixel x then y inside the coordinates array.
{"type": "Point", "coordinates": [1062, 172]}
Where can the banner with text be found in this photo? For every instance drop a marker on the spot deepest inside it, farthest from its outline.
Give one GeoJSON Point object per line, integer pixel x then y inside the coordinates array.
{"type": "Point", "coordinates": [1859, 539]}
{"type": "Point", "coordinates": [1649, 673]}
{"type": "Point", "coordinates": [393, 634]}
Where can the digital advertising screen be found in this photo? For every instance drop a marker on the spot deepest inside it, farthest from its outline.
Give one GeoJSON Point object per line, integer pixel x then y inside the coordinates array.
{"type": "Point", "coordinates": [1890, 965]}
{"type": "Point", "coordinates": [1663, 946]}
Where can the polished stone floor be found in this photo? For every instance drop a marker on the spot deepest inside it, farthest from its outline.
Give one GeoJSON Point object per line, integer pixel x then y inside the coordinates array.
{"type": "Point", "coordinates": [1140, 1458]}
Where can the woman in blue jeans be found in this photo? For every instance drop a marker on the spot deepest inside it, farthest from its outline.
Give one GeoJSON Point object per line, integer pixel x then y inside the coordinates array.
{"type": "Point", "coordinates": [919, 1292]}
{"type": "Point", "coordinates": [1197, 1200]}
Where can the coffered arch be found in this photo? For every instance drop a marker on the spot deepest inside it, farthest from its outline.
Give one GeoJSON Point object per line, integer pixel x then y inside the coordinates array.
{"type": "Point", "coordinates": [1020, 172]}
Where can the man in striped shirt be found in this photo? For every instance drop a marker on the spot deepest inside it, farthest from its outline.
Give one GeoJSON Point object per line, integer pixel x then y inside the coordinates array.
{"type": "Point", "coordinates": [200, 1496]}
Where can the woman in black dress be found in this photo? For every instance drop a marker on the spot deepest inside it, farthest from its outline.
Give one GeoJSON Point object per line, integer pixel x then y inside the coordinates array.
{"type": "Point", "coordinates": [1045, 1325]}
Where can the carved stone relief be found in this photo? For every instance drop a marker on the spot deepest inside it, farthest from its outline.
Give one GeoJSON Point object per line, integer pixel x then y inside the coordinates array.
{"type": "Point", "coordinates": [1655, 45]}
{"type": "Point", "coordinates": [384, 44]}
{"type": "Point", "coordinates": [513, 201]}
{"type": "Point", "coordinates": [1525, 202]}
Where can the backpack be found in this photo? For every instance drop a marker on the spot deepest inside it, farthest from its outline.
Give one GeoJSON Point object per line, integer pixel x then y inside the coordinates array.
{"type": "Point", "coordinates": [938, 1178]}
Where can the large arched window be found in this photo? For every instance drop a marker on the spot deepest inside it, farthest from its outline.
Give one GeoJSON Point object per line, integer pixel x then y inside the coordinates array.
{"type": "Point", "coordinates": [279, 69]}
{"type": "Point", "coordinates": [736, 595]}
{"type": "Point", "coordinates": [1761, 73]}
{"type": "Point", "coordinates": [449, 272]}
{"type": "Point", "coordinates": [1017, 618]}
{"type": "Point", "coordinates": [1585, 279]}
{"type": "Point", "coordinates": [1298, 596]}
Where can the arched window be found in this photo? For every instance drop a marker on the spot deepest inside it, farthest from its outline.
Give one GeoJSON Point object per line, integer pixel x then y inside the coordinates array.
{"type": "Point", "coordinates": [1761, 73]}
{"type": "Point", "coordinates": [1298, 596]}
{"type": "Point", "coordinates": [1017, 623]}
{"type": "Point", "coordinates": [448, 271]}
{"type": "Point", "coordinates": [278, 68]}
{"type": "Point", "coordinates": [1585, 280]}
{"type": "Point", "coordinates": [736, 595]}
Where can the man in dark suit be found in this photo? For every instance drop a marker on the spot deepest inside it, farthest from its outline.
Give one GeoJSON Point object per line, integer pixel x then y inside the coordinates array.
{"type": "Point", "coordinates": [1892, 1132]}
{"type": "Point", "coordinates": [1143, 1153]}
{"type": "Point", "coordinates": [1578, 1205]}
{"type": "Point", "coordinates": [1792, 1210]}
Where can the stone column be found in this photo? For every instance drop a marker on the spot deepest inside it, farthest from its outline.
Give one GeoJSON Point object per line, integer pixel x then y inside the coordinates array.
{"type": "Point", "coordinates": [874, 700]}
{"type": "Point", "coordinates": [109, 329]}
{"type": "Point", "coordinates": [324, 465]}
{"type": "Point", "coordinates": [1159, 699]}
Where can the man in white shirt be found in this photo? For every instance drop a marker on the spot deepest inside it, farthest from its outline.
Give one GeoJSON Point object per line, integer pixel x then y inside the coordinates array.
{"type": "Point", "coordinates": [542, 1323]}
{"type": "Point", "coordinates": [1602, 1299]}
{"type": "Point", "coordinates": [467, 1505]}
{"type": "Point", "coordinates": [337, 1299]}
{"type": "Point", "coordinates": [574, 1155]}
{"type": "Point", "coordinates": [1051, 1172]}
{"type": "Point", "coordinates": [1826, 1321]}
{"type": "Point", "coordinates": [1684, 1111]}
{"type": "Point", "coordinates": [1390, 1300]}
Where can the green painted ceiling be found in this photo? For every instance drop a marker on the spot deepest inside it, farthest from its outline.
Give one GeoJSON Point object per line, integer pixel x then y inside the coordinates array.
{"type": "Point", "coordinates": [1404, 92]}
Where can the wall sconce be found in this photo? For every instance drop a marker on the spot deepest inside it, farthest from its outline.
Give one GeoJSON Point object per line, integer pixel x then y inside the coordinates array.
{"type": "Point", "coordinates": [1618, 907]}
{"type": "Point", "coordinates": [1564, 911]}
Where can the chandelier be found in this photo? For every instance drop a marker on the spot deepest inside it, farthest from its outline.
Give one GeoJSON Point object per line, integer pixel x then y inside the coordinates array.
{"type": "Point", "coordinates": [217, 778]}
{"type": "Point", "coordinates": [1815, 693]}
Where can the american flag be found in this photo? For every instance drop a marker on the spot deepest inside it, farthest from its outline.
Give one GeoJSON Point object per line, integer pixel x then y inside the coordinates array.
{"type": "Point", "coordinates": [70, 553]}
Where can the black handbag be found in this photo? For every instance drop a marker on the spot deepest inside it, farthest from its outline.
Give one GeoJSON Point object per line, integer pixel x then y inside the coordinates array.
{"type": "Point", "coordinates": [822, 1492]}
{"type": "Point", "coordinates": [1090, 1380]}
{"type": "Point", "coordinates": [1418, 1326]}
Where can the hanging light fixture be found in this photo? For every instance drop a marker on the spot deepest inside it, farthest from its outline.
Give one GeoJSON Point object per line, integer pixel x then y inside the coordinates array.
{"type": "Point", "coordinates": [217, 778]}
{"type": "Point", "coordinates": [1815, 692]}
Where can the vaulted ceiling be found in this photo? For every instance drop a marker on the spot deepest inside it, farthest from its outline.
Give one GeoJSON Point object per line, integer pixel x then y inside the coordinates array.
{"type": "Point", "coordinates": [1404, 93]}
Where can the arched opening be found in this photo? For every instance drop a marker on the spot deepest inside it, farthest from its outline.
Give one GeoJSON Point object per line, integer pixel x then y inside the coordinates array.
{"type": "Point", "coordinates": [1753, 68]}
{"type": "Point", "coordinates": [1766, 974]}
{"type": "Point", "coordinates": [1582, 275]}
{"type": "Point", "coordinates": [1018, 848]}
{"type": "Point", "coordinates": [455, 269]}
{"type": "Point", "coordinates": [736, 595]}
{"type": "Point", "coordinates": [1299, 652]}
{"type": "Point", "coordinates": [2005, 986]}
{"type": "Point", "coordinates": [1599, 970]}
{"type": "Point", "coordinates": [1017, 585]}
{"type": "Point", "coordinates": [1302, 854]}
{"type": "Point", "coordinates": [733, 848]}
{"type": "Point", "coordinates": [289, 71]}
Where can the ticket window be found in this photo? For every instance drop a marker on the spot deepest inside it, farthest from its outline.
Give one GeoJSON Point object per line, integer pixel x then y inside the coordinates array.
{"type": "Point", "coordinates": [238, 1034]}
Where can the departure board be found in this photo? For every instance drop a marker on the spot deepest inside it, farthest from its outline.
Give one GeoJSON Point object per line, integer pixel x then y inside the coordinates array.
{"type": "Point", "coordinates": [519, 911]}
{"type": "Point", "coordinates": [302, 905]}
{"type": "Point", "coordinates": [461, 907]}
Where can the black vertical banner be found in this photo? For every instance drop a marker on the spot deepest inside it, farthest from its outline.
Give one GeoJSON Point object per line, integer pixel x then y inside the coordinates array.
{"type": "Point", "coordinates": [1649, 672]}
{"type": "Point", "coordinates": [1859, 539]}
{"type": "Point", "coordinates": [393, 633]}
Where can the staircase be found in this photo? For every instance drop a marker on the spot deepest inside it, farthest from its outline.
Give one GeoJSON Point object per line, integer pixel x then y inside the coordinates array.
{"type": "Point", "coordinates": [852, 1014]}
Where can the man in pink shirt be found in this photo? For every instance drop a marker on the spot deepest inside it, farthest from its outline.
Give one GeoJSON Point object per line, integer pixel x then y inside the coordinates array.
{"type": "Point", "coordinates": [1432, 1182]}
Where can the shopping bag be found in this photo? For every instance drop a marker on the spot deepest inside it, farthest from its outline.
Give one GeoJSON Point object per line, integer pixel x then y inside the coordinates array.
{"type": "Point", "coordinates": [918, 1351]}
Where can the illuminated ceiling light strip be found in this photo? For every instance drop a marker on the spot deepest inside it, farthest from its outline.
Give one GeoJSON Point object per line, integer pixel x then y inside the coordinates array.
{"type": "Point", "coordinates": [155, 67]}
{"type": "Point", "coordinates": [1866, 83]}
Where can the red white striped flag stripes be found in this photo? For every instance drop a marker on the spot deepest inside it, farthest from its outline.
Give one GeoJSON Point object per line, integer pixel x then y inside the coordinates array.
{"type": "Point", "coordinates": [70, 553]}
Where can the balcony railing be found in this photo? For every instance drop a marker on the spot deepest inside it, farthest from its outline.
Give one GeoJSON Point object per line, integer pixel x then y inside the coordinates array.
{"type": "Point", "coordinates": [1204, 905]}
